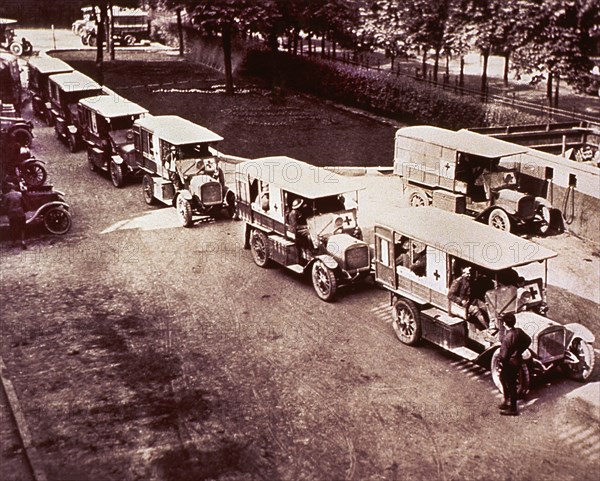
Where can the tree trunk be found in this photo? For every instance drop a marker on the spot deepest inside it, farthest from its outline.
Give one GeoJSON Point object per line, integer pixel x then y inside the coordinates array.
{"type": "Point", "coordinates": [486, 58]}
{"type": "Point", "coordinates": [323, 46]}
{"type": "Point", "coordinates": [111, 30]}
{"type": "Point", "coordinates": [506, 67]}
{"type": "Point", "coordinates": [436, 65]}
{"type": "Point", "coordinates": [333, 50]}
{"type": "Point", "coordinates": [100, 24]}
{"type": "Point", "coordinates": [226, 32]}
{"type": "Point", "coordinates": [310, 45]}
{"type": "Point", "coordinates": [180, 33]}
{"type": "Point", "coordinates": [424, 64]}
{"type": "Point", "coordinates": [447, 64]}
{"type": "Point", "coordinates": [295, 41]}
{"type": "Point", "coordinates": [556, 89]}
{"type": "Point", "coordinates": [393, 59]}
{"type": "Point", "coordinates": [461, 78]}
{"type": "Point", "coordinates": [549, 88]}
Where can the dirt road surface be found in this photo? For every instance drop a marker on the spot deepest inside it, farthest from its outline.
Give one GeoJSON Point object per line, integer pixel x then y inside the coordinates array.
{"type": "Point", "coordinates": [142, 350]}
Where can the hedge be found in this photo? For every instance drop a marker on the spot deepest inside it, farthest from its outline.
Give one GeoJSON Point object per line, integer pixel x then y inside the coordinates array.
{"type": "Point", "coordinates": [407, 100]}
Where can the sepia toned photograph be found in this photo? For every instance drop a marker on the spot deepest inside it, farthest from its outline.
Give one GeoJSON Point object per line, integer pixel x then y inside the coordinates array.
{"type": "Point", "coordinates": [293, 240]}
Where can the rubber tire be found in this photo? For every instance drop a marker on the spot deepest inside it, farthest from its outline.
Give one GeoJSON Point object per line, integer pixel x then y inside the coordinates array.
{"type": "Point", "coordinates": [16, 49]}
{"type": "Point", "coordinates": [92, 41]}
{"type": "Point", "coordinates": [93, 167]}
{"type": "Point", "coordinates": [72, 143]}
{"type": "Point", "coordinates": [499, 219]}
{"type": "Point", "coordinates": [22, 136]}
{"type": "Point", "coordinates": [259, 246]}
{"type": "Point", "coordinates": [542, 219]}
{"type": "Point", "coordinates": [321, 274]}
{"type": "Point", "coordinates": [28, 50]}
{"type": "Point", "coordinates": [584, 351]}
{"type": "Point", "coordinates": [406, 322]}
{"type": "Point", "coordinates": [57, 220]}
{"type": "Point", "coordinates": [129, 40]}
{"type": "Point", "coordinates": [417, 198]}
{"type": "Point", "coordinates": [523, 381]}
{"type": "Point", "coordinates": [117, 176]}
{"type": "Point", "coordinates": [34, 174]}
{"type": "Point", "coordinates": [184, 211]}
{"type": "Point", "coordinates": [231, 205]}
{"type": "Point", "coordinates": [84, 39]}
{"type": "Point", "coordinates": [148, 189]}
{"type": "Point", "coordinates": [49, 118]}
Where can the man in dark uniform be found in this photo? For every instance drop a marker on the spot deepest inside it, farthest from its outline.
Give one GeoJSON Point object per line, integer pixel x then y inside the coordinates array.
{"type": "Point", "coordinates": [15, 209]}
{"type": "Point", "coordinates": [461, 293]}
{"type": "Point", "coordinates": [514, 343]}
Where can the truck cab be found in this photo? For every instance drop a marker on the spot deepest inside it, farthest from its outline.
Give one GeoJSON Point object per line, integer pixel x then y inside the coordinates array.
{"type": "Point", "coordinates": [467, 173]}
{"type": "Point", "coordinates": [181, 167]}
{"type": "Point", "coordinates": [40, 69]}
{"type": "Point", "coordinates": [303, 218]}
{"type": "Point", "coordinates": [107, 130]}
{"type": "Point", "coordinates": [65, 92]}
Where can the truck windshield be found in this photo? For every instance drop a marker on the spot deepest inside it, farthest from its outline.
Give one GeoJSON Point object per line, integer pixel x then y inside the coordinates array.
{"type": "Point", "coordinates": [193, 151]}
{"type": "Point", "coordinates": [122, 123]}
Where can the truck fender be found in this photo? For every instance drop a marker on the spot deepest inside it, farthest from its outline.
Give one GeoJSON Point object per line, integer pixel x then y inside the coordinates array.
{"type": "Point", "coordinates": [117, 159]}
{"type": "Point", "coordinates": [329, 261]}
{"type": "Point", "coordinates": [21, 125]}
{"type": "Point", "coordinates": [31, 160]}
{"type": "Point", "coordinates": [577, 330]}
{"type": "Point", "coordinates": [539, 201]}
{"type": "Point", "coordinates": [42, 209]}
{"type": "Point", "coordinates": [229, 197]}
{"type": "Point", "coordinates": [187, 195]}
{"type": "Point", "coordinates": [72, 129]}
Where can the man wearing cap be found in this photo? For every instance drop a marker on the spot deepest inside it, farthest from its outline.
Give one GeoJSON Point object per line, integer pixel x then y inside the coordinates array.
{"type": "Point", "coordinates": [297, 223]}
{"type": "Point", "coordinates": [461, 293]}
{"type": "Point", "coordinates": [15, 208]}
{"type": "Point", "coordinates": [514, 343]}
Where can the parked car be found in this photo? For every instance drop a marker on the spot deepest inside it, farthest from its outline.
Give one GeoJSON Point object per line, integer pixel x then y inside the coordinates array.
{"type": "Point", "coordinates": [467, 173]}
{"type": "Point", "coordinates": [421, 309]}
{"type": "Point", "coordinates": [10, 42]}
{"type": "Point", "coordinates": [17, 163]}
{"type": "Point", "coordinates": [66, 90]}
{"type": "Point", "coordinates": [106, 125]}
{"type": "Point", "coordinates": [181, 167]}
{"type": "Point", "coordinates": [47, 206]}
{"type": "Point", "coordinates": [18, 128]}
{"type": "Point", "coordinates": [329, 244]}
{"type": "Point", "coordinates": [10, 84]}
{"type": "Point", "coordinates": [40, 69]}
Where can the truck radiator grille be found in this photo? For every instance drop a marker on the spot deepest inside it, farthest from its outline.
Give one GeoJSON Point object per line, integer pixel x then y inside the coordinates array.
{"type": "Point", "coordinates": [357, 257]}
{"type": "Point", "coordinates": [211, 193]}
{"type": "Point", "coordinates": [551, 345]}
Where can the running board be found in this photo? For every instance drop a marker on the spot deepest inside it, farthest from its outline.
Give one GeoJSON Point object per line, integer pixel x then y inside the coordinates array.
{"type": "Point", "coordinates": [297, 268]}
{"type": "Point", "coordinates": [465, 353]}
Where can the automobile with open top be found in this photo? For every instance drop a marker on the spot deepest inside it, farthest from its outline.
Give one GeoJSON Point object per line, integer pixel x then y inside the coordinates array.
{"type": "Point", "coordinates": [274, 192]}
{"type": "Point", "coordinates": [501, 265]}
{"type": "Point", "coordinates": [469, 173]}
{"type": "Point", "coordinates": [10, 41]}
{"type": "Point", "coordinates": [66, 90]}
{"type": "Point", "coordinates": [182, 168]}
{"type": "Point", "coordinates": [107, 130]}
{"type": "Point", "coordinates": [39, 70]}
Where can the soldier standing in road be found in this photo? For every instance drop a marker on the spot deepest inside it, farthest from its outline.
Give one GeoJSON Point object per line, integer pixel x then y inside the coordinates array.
{"type": "Point", "coordinates": [15, 208]}
{"type": "Point", "coordinates": [514, 343]}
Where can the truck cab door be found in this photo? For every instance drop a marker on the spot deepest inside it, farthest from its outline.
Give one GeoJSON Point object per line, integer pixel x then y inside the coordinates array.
{"type": "Point", "coordinates": [384, 257]}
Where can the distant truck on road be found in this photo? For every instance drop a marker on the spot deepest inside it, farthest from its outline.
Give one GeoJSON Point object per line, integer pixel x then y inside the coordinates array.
{"type": "Point", "coordinates": [130, 26]}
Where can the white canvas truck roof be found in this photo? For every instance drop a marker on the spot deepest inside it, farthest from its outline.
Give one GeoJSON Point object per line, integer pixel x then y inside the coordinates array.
{"type": "Point", "coordinates": [177, 131]}
{"type": "Point", "coordinates": [50, 65]}
{"type": "Point", "coordinates": [112, 106]}
{"type": "Point", "coordinates": [7, 21]}
{"type": "Point", "coordinates": [74, 82]}
{"type": "Point", "coordinates": [297, 177]}
{"type": "Point", "coordinates": [462, 237]}
{"type": "Point", "coordinates": [462, 141]}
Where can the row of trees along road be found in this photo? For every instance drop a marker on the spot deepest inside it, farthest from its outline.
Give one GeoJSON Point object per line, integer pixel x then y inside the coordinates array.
{"type": "Point", "coordinates": [551, 40]}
